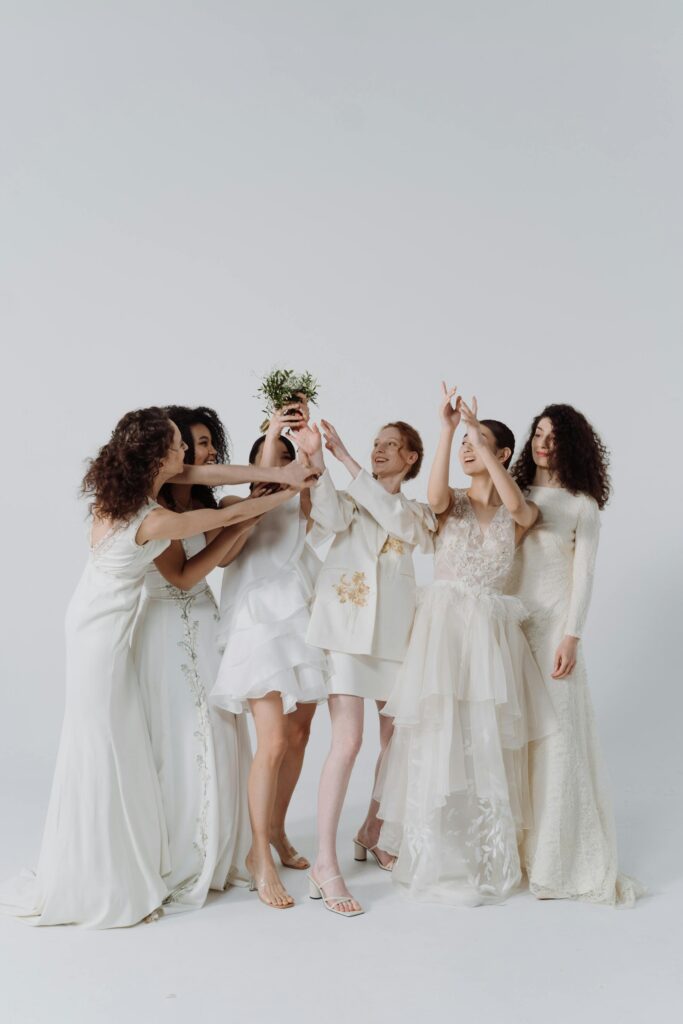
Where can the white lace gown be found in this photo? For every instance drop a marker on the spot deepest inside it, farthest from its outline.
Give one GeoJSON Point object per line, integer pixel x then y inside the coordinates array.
{"type": "Point", "coordinates": [104, 851]}
{"type": "Point", "coordinates": [202, 754]}
{"type": "Point", "coordinates": [571, 851]}
{"type": "Point", "coordinates": [468, 701]}
{"type": "Point", "coordinates": [265, 611]}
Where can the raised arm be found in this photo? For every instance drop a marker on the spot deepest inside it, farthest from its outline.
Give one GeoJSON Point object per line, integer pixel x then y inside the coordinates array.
{"type": "Point", "coordinates": [336, 446]}
{"type": "Point", "coordinates": [522, 511]}
{"type": "Point", "coordinates": [184, 572]}
{"type": "Point", "coordinates": [438, 490]}
{"type": "Point", "coordinates": [278, 424]}
{"type": "Point", "coordinates": [161, 524]}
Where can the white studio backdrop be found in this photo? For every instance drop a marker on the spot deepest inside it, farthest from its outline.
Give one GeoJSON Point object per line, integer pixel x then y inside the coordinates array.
{"type": "Point", "coordinates": [387, 194]}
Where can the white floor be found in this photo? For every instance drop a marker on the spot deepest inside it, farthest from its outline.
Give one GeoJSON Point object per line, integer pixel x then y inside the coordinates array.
{"type": "Point", "coordinates": [238, 961]}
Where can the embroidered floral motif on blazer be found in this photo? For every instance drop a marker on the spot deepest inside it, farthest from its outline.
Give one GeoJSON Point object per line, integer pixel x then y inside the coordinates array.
{"type": "Point", "coordinates": [356, 591]}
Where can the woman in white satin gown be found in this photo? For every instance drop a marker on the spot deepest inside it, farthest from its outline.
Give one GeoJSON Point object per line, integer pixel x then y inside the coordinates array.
{"type": "Point", "coordinates": [267, 667]}
{"type": "Point", "coordinates": [571, 850]}
{"type": "Point", "coordinates": [104, 853]}
{"type": "Point", "coordinates": [469, 698]}
{"type": "Point", "coordinates": [201, 753]}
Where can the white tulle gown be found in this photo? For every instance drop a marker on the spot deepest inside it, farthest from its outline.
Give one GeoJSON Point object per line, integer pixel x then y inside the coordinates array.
{"type": "Point", "coordinates": [469, 699]}
{"type": "Point", "coordinates": [202, 754]}
{"type": "Point", "coordinates": [571, 850]}
{"type": "Point", "coordinates": [104, 847]}
{"type": "Point", "coordinates": [265, 611]}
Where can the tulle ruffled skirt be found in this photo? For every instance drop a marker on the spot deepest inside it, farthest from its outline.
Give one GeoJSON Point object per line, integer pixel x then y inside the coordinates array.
{"type": "Point", "coordinates": [265, 649]}
{"type": "Point", "coordinates": [453, 789]}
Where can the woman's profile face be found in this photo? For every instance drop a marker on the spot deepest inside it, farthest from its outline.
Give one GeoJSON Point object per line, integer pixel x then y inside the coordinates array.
{"type": "Point", "coordinates": [204, 449]}
{"type": "Point", "coordinates": [175, 456]}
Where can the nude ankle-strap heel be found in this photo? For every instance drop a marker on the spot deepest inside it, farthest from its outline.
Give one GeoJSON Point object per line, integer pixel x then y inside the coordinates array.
{"type": "Point", "coordinates": [359, 852]}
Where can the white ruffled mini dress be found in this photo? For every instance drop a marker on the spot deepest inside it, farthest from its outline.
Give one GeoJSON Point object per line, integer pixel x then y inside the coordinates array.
{"type": "Point", "coordinates": [265, 610]}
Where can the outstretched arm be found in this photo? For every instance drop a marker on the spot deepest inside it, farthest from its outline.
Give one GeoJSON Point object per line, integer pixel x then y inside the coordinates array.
{"type": "Point", "coordinates": [336, 446]}
{"type": "Point", "coordinates": [184, 572]}
{"type": "Point", "coordinates": [218, 474]}
{"type": "Point", "coordinates": [161, 524]}
{"type": "Point", "coordinates": [522, 511]}
{"type": "Point", "coordinates": [438, 490]}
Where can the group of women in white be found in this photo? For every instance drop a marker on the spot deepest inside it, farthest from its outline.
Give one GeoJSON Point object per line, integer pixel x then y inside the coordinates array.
{"type": "Point", "coordinates": [489, 767]}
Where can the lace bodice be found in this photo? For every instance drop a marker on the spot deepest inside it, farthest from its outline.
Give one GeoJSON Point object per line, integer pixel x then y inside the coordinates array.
{"type": "Point", "coordinates": [463, 554]}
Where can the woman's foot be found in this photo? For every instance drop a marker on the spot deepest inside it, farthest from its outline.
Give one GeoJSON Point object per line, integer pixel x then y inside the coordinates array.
{"type": "Point", "coordinates": [290, 857]}
{"type": "Point", "coordinates": [334, 888]}
{"type": "Point", "coordinates": [368, 839]}
{"type": "Point", "coordinates": [154, 916]}
{"type": "Point", "coordinates": [265, 880]}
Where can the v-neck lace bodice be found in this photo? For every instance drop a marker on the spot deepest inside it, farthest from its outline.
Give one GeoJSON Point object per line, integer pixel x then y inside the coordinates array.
{"type": "Point", "coordinates": [481, 561]}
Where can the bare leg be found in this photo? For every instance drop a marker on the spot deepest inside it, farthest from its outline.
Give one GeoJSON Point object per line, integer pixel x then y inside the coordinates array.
{"type": "Point", "coordinates": [346, 714]}
{"type": "Point", "coordinates": [298, 731]}
{"type": "Point", "coordinates": [369, 831]}
{"type": "Point", "coordinates": [271, 747]}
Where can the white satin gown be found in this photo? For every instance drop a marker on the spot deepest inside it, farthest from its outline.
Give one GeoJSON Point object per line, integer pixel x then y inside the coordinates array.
{"type": "Point", "coordinates": [104, 850]}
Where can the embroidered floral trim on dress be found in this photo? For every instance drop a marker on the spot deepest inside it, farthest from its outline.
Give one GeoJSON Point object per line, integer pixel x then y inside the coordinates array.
{"type": "Point", "coordinates": [190, 670]}
{"type": "Point", "coordinates": [356, 592]}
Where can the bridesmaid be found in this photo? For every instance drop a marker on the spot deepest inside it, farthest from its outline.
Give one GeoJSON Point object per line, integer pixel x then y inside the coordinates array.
{"type": "Point", "coordinates": [267, 666]}
{"type": "Point", "coordinates": [104, 851]}
{"type": "Point", "coordinates": [363, 612]}
{"type": "Point", "coordinates": [202, 754]}
{"type": "Point", "coordinates": [571, 851]}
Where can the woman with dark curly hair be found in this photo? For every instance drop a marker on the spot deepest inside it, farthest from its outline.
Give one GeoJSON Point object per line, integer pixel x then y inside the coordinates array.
{"type": "Point", "coordinates": [202, 753]}
{"type": "Point", "coordinates": [104, 851]}
{"type": "Point", "coordinates": [570, 852]}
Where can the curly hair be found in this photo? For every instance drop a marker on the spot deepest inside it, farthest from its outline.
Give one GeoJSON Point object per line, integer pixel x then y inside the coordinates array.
{"type": "Point", "coordinates": [185, 418]}
{"type": "Point", "coordinates": [120, 477]}
{"type": "Point", "coordinates": [412, 441]}
{"type": "Point", "coordinates": [578, 458]}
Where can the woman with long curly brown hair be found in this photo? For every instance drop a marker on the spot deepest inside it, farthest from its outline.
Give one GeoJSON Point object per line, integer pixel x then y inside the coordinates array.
{"type": "Point", "coordinates": [570, 852]}
{"type": "Point", "coordinates": [104, 853]}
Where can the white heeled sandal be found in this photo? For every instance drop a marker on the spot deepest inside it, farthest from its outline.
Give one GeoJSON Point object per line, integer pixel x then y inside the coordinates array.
{"type": "Point", "coordinates": [361, 851]}
{"type": "Point", "coordinates": [331, 903]}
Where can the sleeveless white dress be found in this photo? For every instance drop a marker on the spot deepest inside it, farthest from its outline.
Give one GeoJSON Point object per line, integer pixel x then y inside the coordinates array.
{"type": "Point", "coordinates": [469, 699]}
{"type": "Point", "coordinates": [104, 847]}
{"type": "Point", "coordinates": [571, 850]}
{"type": "Point", "coordinates": [265, 611]}
{"type": "Point", "coordinates": [202, 754]}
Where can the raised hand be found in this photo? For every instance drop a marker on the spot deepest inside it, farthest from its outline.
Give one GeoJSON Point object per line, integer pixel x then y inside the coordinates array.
{"type": "Point", "coordinates": [469, 418]}
{"type": "Point", "coordinates": [449, 414]}
{"type": "Point", "coordinates": [308, 440]}
{"type": "Point", "coordinates": [333, 441]}
{"type": "Point", "coordinates": [285, 420]}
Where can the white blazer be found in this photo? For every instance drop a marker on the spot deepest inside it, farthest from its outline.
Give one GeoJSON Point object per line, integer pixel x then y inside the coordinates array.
{"type": "Point", "coordinates": [365, 595]}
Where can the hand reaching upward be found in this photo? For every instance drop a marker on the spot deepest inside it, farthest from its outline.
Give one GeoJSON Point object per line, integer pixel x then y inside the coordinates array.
{"type": "Point", "coordinates": [469, 417]}
{"type": "Point", "coordinates": [449, 414]}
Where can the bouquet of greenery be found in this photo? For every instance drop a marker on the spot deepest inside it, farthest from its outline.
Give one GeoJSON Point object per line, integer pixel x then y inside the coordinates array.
{"type": "Point", "coordinates": [280, 388]}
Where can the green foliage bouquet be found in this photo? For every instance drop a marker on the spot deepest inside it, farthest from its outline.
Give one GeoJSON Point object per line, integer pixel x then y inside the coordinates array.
{"type": "Point", "coordinates": [282, 387]}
